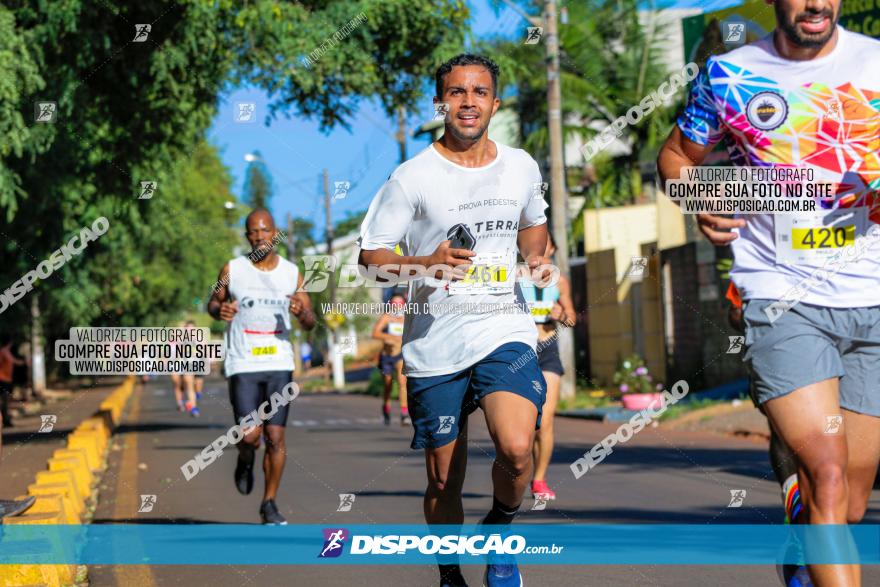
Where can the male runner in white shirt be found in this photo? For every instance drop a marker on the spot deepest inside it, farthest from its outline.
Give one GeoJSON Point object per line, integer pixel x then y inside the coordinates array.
{"type": "Point", "coordinates": [458, 353]}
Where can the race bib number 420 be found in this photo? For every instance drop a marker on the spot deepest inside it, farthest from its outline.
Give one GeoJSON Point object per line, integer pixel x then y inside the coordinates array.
{"type": "Point", "coordinates": [491, 273]}
{"type": "Point", "coordinates": [810, 239]}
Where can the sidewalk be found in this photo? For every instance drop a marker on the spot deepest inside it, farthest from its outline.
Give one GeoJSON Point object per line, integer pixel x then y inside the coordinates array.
{"type": "Point", "coordinates": [25, 450]}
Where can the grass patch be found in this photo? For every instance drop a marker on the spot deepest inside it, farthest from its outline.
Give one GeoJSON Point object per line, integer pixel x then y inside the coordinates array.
{"type": "Point", "coordinates": [586, 399]}
{"type": "Point", "coordinates": [680, 409]}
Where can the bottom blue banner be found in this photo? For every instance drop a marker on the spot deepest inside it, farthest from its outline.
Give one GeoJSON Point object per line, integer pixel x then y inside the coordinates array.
{"type": "Point", "coordinates": [575, 544]}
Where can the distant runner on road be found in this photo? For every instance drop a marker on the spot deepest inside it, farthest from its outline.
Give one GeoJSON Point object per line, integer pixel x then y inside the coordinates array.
{"type": "Point", "coordinates": [256, 295]}
{"type": "Point", "coordinates": [389, 329]}
{"type": "Point", "coordinates": [551, 309]}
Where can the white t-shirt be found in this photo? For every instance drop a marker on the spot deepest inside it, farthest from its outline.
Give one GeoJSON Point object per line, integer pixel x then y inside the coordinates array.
{"type": "Point", "coordinates": [822, 114]}
{"type": "Point", "coordinates": [258, 338]}
{"type": "Point", "coordinates": [422, 200]}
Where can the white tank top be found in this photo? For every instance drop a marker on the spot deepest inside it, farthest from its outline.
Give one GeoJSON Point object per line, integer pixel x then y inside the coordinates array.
{"type": "Point", "coordinates": [258, 338]}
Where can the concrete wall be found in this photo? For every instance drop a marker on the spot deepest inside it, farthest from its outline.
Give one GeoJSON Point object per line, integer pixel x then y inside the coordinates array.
{"type": "Point", "coordinates": [626, 315]}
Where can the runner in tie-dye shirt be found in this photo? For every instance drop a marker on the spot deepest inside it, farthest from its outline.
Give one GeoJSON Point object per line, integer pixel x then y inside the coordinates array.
{"type": "Point", "coordinates": [806, 97]}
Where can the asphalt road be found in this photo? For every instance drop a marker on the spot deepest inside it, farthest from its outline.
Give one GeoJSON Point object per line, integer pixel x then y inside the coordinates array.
{"type": "Point", "coordinates": [337, 444]}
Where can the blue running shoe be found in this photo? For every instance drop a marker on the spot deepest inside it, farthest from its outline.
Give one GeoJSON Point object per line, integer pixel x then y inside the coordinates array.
{"type": "Point", "coordinates": [502, 575]}
{"type": "Point", "coordinates": [796, 576]}
{"type": "Point", "coordinates": [195, 413]}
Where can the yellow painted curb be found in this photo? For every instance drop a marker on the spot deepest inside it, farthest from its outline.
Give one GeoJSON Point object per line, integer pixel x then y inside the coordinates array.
{"type": "Point", "coordinates": [81, 476]}
{"type": "Point", "coordinates": [95, 436]}
{"type": "Point", "coordinates": [75, 453]}
{"type": "Point", "coordinates": [30, 576]}
{"type": "Point", "coordinates": [63, 477]}
{"type": "Point", "coordinates": [53, 503]}
{"type": "Point", "coordinates": [88, 445]}
{"type": "Point", "coordinates": [63, 490]}
{"type": "Point", "coordinates": [66, 573]}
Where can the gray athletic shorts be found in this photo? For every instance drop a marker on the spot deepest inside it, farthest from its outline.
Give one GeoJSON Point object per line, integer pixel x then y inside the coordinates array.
{"type": "Point", "coordinates": [808, 344]}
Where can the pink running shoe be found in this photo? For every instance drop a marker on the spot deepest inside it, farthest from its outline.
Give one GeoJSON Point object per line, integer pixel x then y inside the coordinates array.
{"type": "Point", "coordinates": [540, 489]}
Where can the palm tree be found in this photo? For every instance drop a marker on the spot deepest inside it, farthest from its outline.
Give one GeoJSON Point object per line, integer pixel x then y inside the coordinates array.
{"type": "Point", "coordinates": [611, 58]}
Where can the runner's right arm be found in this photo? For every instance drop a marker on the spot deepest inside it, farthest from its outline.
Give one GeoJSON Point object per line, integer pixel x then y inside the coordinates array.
{"type": "Point", "coordinates": [218, 307]}
{"type": "Point", "coordinates": [378, 328]}
{"type": "Point", "coordinates": [693, 137]}
{"type": "Point", "coordinates": [386, 224]}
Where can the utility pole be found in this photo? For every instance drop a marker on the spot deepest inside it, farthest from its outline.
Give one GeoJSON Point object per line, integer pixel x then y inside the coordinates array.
{"type": "Point", "coordinates": [335, 357]}
{"type": "Point", "coordinates": [297, 354]}
{"type": "Point", "coordinates": [558, 193]}
{"type": "Point", "coordinates": [401, 132]}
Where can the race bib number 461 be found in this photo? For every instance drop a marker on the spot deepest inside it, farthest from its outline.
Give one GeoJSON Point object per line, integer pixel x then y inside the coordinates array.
{"type": "Point", "coordinates": [490, 273]}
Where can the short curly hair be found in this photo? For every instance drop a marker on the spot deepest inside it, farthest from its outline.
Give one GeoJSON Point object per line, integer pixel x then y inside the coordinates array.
{"type": "Point", "coordinates": [466, 59]}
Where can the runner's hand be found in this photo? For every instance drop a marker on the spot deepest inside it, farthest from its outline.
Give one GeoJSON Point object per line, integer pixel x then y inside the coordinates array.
{"type": "Point", "coordinates": [543, 276]}
{"type": "Point", "coordinates": [715, 228]}
{"type": "Point", "coordinates": [296, 306]}
{"type": "Point", "coordinates": [228, 310]}
{"type": "Point", "coordinates": [557, 312]}
{"type": "Point", "coordinates": [449, 257]}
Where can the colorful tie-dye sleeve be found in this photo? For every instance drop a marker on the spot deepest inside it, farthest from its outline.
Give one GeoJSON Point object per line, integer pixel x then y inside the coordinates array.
{"type": "Point", "coordinates": [700, 121]}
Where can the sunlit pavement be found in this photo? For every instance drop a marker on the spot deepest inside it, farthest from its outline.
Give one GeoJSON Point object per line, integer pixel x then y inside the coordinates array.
{"type": "Point", "coordinates": [337, 444]}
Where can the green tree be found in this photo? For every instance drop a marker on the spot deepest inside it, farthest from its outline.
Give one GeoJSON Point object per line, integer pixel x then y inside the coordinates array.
{"type": "Point", "coordinates": [258, 185]}
{"type": "Point", "coordinates": [611, 57]}
{"type": "Point", "coordinates": [350, 223]}
{"type": "Point", "coordinates": [129, 112]}
{"type": "Point", "coordinates": [303, 234]}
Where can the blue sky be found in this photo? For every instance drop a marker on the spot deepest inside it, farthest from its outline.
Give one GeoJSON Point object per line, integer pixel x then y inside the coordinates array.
{"type": "Point", "coordinates": [296, 152]}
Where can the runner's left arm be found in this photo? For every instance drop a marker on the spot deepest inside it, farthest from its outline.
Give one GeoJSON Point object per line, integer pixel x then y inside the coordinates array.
{"type": "Point", "coordinates": [568, 315]}
{"type": "Point", "coordinates": [532, 237]}
{"type": "Point", "coordinates": [301, 306]}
